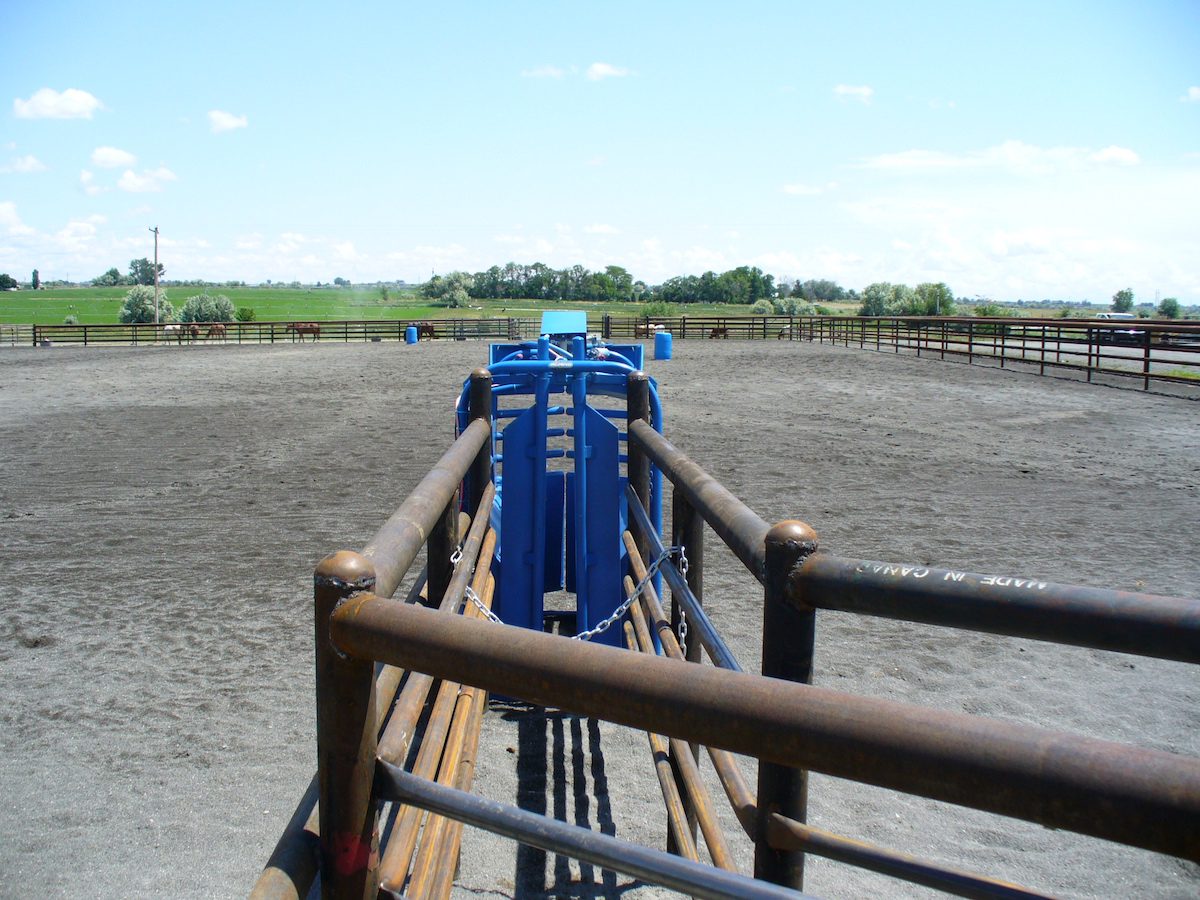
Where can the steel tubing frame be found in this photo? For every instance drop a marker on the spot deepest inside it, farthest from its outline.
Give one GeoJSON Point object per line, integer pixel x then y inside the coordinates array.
{"type": "Point", "coordinates": [604, 850]}
{"type": "Point", "coordinates": [1143, 624]}
{"type": "Point", "coordinates": [716, 647]}
{"type": "Point", "coordinates": [784, 833]}
{"type": "Point", "coordinates": [1144, 798]}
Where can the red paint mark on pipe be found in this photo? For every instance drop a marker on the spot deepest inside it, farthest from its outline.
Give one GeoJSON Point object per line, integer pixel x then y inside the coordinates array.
{"type": "Point", "coordinates": [351, 853]}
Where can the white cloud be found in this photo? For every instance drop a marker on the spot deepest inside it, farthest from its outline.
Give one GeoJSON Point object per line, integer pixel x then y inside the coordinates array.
{"type": "Point", "coordinates": [1121, 156]}
{"type": "Point", "coordinates": [50, 104]}
{"type": "Point", "coordinates": [544, 72]}
{"type": "Point", "coordinates": [112, 158]}
{"type": "Point", "coordinates": [598, 70]}
{"type": "Point", "coordinates": [248, 242]}
{"type": "Point", "coordinates": [1015, 156]}
{"type": "Point", "coordinates": [600, 228]}
{"type": "Point", "coordinates": [221, 121]}
{"type": "Point", "coordinates": [1192, 95]}
{"type": "Point", "coordinates": [86, 180]}
{"type": "Point", "coordinates": [149, 181]}
{"type": "Point", "coordinates": [8, 215]}
{"type": "Point", "coordinates": [861, 92]}
{"type": "Point", "coordinates": [345, 251]}
{"type": "Point", "coordinates": [24, 165]}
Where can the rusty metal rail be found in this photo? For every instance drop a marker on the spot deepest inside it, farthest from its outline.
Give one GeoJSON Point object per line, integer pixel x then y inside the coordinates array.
{"type": "Point", "coordinates": [1144, 798]}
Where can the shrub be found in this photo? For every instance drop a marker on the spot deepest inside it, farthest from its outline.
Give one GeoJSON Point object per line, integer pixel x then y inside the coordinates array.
{"type": "Point", "coordinates": [989, 310]}
{"type": "Point", "coordinates": [71, 320]}
{"type": "Point", "coordinates": [244, 314]}
{"type": "Point", "coordinates": [139, 306]}
{"type": "Point", "coordinates": [794, 306]}
{"type": "Point", "coordinates": [207, 308]}
{"type": "Point", "coordinates": [658, 309]}
{"type": "Point", "coordinates": [763, 307]}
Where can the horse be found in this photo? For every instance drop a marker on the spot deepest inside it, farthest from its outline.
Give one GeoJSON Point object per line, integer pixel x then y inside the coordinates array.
{"type": "Point", "coordinates": [425, 330]}
{"type": "Point", "coordinates": [645, 330]}
{"type": "Point", "coordinates": [188, 330]}
{"type": "Point", "coordinates": [173, 331]}
{"type": "Point", "coordinates": [719, 332]}
{"type": "Point", "coordinates": [216, 329]}
{"type": "Point", "coordinates": [299, 329]}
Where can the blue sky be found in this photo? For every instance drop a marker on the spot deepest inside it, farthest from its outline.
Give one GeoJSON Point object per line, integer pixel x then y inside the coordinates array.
{"type": "Point", "coordinates": [1012, 150]}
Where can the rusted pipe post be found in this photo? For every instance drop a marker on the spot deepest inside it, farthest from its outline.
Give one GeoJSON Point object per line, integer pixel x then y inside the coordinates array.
{"type": "Point", "coordinates": [443, 541]}
{"type": "Point", "coordinates": [346, 729]}
{"type": "Point", "coordinates": [687, 531]}
{"type": "Point", "coordinates": [788, 636]}
{"type": "Point", "coordinates": [479, 406]}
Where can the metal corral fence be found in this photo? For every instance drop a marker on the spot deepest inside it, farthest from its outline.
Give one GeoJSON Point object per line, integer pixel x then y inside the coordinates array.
{"type": "Point", "coordinates": [371, 767]}
{"type": "Point", "coordinates": [269, 332]}
{"type": "Point", "coordinates": [15, 335]}
{"type": "Point", "coordinates": [1164, 352]}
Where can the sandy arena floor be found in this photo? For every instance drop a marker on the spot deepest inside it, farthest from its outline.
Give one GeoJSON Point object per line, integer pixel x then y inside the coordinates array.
{"type": "Point", "coordinates": [161, 510]}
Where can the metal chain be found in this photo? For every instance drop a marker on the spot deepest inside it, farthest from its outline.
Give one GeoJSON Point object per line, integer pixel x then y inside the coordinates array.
{"type": "Point", "coordinates": [617, 613]}
{"type": "Point", "coordinates": [487, 613]}
{"type": "Point", "coordinates": [683, 623]}
{"type": "Point", "coordinates": [620, 611]}
{"type": "Point", "coordinates": [456, 555]}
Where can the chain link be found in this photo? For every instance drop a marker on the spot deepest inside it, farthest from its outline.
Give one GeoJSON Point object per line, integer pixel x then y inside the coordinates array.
{"type": "Point", "coordinates": [617, 613]}
{"type": "Point", "coordinates": [487, 613]}
{"type": "Point", "coordinates": [620, 611]}
{"type": "Point", "coordinates": [456, 555]}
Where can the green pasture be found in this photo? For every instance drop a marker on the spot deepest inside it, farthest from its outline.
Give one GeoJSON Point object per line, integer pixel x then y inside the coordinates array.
{"type": "Point", "coordinates": [101, 305]}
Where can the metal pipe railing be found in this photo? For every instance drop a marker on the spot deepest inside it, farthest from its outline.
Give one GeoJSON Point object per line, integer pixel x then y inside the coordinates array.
{"type": "Point", "coordinates": [1141, 797]}
{"type": "Point", "coordinates": [1164, 627]}
{"type": "Point", "coordinates": [582, 843]}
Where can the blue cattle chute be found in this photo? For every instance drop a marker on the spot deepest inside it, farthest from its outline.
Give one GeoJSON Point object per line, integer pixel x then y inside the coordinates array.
{"type": "Point", "coordinates": [560, 507]}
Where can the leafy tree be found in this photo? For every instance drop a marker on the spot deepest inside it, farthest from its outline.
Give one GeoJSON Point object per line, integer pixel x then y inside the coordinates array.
{"type": "Point", "coordinates": [7, 282]}
{"type": "Point", "coordinates": [1168, 308]}
{"type": "Point", "coordinates": [657, 309]}
{"type": "Point", "coordinates": [139, 306]}
{"type": "Point", "coordinates": [794, 306]}
{"type": "Point", "coordinates": [450, 290]}
{"type": "Point", "coordinates": [111, 278]}
{"type": "Point", "coordinates": [36, 280]}
{"type": "Point", "coordinates": [986, 308]}
{"type": "Point", "coordinates": [819, 289]}
{"type": "Point", "coordinates": [207, 308]}
{"type": "Point", "coordinates": [763, 307]}
{"type": "Point", "coordinates": [71, 320]}
{"type": "Point", "coordinates": [935, 299]}
{"type": "Point", "coordinates": [341, 282]}
{"type": "Point", "coordinates": [1122, 300]}
{"type": "Point", "coordinates": [383, 293]}
{"type": "Point", "coordinates": [141, 271]}
{"type": "Point", "coordinates": [244, 314]}
{"type": "Point", "coordinates": [886, 299]}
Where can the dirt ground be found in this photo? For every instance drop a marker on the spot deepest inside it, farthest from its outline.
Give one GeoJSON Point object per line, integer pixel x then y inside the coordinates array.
{"type": "Point", "coordinates": [161, 510]}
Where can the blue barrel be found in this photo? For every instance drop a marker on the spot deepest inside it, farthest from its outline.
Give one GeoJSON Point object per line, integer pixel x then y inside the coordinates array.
{"type": "Point", "coordinates": [662, 344]}
{"type": "Point", "coordinates": [410, 334]}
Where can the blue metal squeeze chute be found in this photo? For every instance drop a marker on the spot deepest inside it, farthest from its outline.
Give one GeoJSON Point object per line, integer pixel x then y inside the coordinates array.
{"type": "Point", "coordinates": [560, 528]}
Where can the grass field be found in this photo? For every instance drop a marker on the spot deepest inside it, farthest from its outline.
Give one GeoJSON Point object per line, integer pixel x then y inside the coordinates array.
{"type": "Point", "coordinates": [98, 306]}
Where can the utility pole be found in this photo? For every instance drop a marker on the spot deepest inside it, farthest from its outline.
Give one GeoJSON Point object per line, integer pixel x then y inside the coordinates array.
{"type": "Point", "coordinates": [155, 231]}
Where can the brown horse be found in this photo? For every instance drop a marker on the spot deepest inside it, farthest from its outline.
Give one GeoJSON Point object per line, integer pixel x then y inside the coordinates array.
{"type": "Point", "coordinates": [425, 330]}
{"type": "Point", "coordinates": [720, 332]}
{"type": "Point", "coordinates": [215, 330]}
{"type": "Point", "coordinates": [299, 329]}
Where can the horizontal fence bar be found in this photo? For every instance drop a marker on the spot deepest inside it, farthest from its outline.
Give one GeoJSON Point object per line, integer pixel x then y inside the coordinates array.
{"type": "Point", "coordinates": [1163, 627]}
{"type": "Point", "coordinates": [740, 527]}
{"type": "Point", "coordinates": [396, 544]}
{"type": "Point", "coordinates": [788, 834]}
{"type": "Point", "coordinates": [535, 830]}
{"type": "Point", "coordinates": [1144, 798]}
{"type": "Point", "coordinates": [718, 650]}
